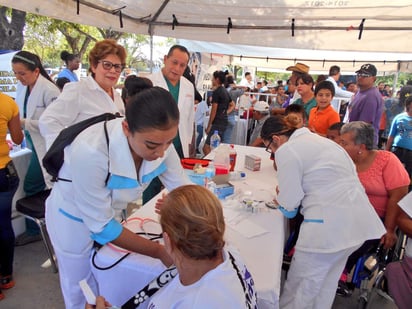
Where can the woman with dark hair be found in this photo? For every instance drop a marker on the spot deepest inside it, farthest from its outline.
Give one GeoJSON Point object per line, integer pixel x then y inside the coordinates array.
{"type": "Point", "coordinates": [91, 96]}
{"type": "Point", "coordinates": [319, 175]}
{"type": "Point", "coordinates": [133, 85]}
{"type": "Point", "coordinates": [304, 85]}
{"type": "Point", "coordinates": [105, 176]}
{"type": "Point", "coordinates": [35, 93]}
{"type": "Point", "coordinates": [222, 105]}
{"type": "Point", "coordinates": [72, 62]}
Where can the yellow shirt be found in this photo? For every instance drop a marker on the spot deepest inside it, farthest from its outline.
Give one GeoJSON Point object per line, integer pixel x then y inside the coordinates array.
{"type": "Point", "coordinates": [8, 110]}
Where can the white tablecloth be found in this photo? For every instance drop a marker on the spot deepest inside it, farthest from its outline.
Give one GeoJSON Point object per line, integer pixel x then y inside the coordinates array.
{"type": "Point", "coordinates": [262, 253]}
{"type": "Point", "coordinates": [239, 133]}
{"type": "Point", "coordinates": [21, 160]}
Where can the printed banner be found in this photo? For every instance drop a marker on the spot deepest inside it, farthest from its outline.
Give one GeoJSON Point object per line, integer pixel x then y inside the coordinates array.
{"type": "Point", "coordinates": [8, 82]}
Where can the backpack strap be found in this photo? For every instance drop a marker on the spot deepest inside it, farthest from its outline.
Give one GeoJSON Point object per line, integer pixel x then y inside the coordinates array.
{"type": "Point", "coordinates": [149, 290]}
{"type": "Point", "coordinates": [247, 283]}
{"type": "Point", "coordinates": [106, 134]}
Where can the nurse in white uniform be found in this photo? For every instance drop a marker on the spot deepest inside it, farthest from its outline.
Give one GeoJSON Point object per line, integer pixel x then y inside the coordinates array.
{"type": "Point", "coordinates": [107, 172]}
{"type": "Point", "coordinates": [35, 93]}
{"type": "Point", "coordinates": [91, 96]}
{"type": "Point", "coordinates": [318, 174]}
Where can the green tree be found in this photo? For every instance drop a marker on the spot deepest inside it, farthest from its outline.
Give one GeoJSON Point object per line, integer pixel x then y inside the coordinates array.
{"type": "Point", "coordinates": [47, 37]}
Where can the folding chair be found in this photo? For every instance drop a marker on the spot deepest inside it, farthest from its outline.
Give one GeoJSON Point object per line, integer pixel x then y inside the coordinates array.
{"type": "Point", "coordinates": [33, 207]}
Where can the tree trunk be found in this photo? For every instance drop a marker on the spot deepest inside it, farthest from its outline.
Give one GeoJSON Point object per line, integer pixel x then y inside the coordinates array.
{"type": "Point", "coordinates": [11, 29]}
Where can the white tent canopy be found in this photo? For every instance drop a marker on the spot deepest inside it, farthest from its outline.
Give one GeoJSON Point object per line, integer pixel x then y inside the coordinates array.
{"type": "Point", "coordinates": [319, 61]}
{"type": "Point", "coordinates": [330, 25]}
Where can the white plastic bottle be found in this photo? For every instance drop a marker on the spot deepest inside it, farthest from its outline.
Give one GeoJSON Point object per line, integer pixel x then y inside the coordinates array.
{"type": "Point", "coordinates": [237, 175]}
{"type": "Point", "coordinates": [215, 140]}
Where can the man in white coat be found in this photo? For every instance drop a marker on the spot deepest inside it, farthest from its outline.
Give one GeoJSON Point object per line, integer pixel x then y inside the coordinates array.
{"type": "Point", "coordinates": [171, 78]}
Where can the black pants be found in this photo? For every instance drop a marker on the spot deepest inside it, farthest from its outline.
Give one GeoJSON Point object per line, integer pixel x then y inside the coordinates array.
{"type": "Point", "coordinates": [8, 186]}
{"type": "Point", "coordinates": [405, 156]}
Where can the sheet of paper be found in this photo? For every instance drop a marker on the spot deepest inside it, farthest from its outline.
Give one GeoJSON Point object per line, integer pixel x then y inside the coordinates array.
{"type": "Point", "coordinates": [247, 228]}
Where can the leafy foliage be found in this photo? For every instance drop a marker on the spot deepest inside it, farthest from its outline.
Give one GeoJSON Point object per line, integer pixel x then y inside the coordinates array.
{"type": "Point", "coordinates": [48, 37]}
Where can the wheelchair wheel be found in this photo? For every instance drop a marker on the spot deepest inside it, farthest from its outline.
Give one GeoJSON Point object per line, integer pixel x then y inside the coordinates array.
{"type": "Point", "coordinates": [364, 294]}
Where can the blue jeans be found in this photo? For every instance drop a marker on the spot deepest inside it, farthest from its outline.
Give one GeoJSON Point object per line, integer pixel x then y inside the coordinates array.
{"type": "Point", "coordinates": [227, 135]}
{"type": "Point", "coordinates": [199, 129]}
{"type": "Point", "coordinates": [8, 186]}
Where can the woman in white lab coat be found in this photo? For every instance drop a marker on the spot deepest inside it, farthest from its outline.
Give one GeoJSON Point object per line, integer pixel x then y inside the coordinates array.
{"type": "Point", "coordinates": [35, 92]}
{"type": "Point", "coordinates": [319, 175]}
{"type": "Point", "coordinates": [91, 96]}
{"type": "Point", "coordinates": [107, 172]}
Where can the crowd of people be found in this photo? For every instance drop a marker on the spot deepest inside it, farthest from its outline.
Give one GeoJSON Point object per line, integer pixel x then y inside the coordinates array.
{"type": "Point", "coordinates": [331, 169]}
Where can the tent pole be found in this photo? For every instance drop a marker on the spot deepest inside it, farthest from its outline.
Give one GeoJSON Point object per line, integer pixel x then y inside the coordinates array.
{"type": "Point", "coordinates": [151, 53]}
{"type": "Point", "coordinates": [395, 80]}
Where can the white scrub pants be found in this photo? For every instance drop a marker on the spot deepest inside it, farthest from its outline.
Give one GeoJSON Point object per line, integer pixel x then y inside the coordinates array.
{"type": "Point", "coordinates": [313, 278]}
{"type": "Point", "coordinates": [73, 247]}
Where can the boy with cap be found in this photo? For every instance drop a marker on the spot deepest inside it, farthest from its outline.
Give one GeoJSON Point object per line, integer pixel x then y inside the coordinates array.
{"type": "Point", "coordinates": [367, 104]}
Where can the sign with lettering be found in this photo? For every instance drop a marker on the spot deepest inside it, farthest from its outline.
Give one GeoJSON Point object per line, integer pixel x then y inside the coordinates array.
{"type": "Point", "coordinates": [8, 82]}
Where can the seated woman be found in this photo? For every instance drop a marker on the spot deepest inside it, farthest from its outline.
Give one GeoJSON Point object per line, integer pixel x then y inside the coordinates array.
{"type": "Point", "coordinates": [399, 274]}
{"type": "Point", "coordinates": [384, 178]}
{"type": "Point", "coordinates": [209, 275]}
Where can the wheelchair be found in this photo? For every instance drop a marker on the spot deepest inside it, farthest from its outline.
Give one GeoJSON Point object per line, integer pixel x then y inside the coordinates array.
{"type": "Point", "coordinates": [368, 275]}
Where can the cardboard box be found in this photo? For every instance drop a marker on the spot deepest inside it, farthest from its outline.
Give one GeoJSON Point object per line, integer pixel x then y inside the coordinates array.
{"type": "Point", "coordinates": [223, 190]}
{"type": "Point", "coordinates": [252, 162]}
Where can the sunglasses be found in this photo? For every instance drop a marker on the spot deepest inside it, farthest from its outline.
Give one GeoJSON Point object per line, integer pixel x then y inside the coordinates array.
{"type": "Point", "coordinates": [363, 75]}
{"type": "Point", "coordinates": [107, 65]}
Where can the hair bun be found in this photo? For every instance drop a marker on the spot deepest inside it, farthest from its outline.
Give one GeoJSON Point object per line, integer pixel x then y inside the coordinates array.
{"type": "Point", "coordinates": [292, 121]}
{"type": "Point", "coordinates": [64, 55]}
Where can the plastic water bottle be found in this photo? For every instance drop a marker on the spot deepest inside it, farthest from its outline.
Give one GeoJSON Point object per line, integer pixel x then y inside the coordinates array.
{"type": "Point", "coordinates": [237, 175]}
{"type": "Point", "coordinates": [233, 156]}
{"type": "Point", "coordinates": [215, 140]}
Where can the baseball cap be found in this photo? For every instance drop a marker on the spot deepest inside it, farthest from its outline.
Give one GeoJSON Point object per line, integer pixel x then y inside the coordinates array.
{"type": "Point", "coordinates": [367, 69]}
{"type": "Point", "coordinates": [298, 67]}
{"type": "Point", "coordinates": [261, 106]}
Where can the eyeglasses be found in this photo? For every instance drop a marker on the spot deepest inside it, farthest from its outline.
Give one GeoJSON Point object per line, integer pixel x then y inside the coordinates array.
{"type": "Point", "coordinates": [107, 65]}
{"type": "Point", "coordinates": [268, 146]}
{"type": "Point", "coordinates": [363, 75]}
